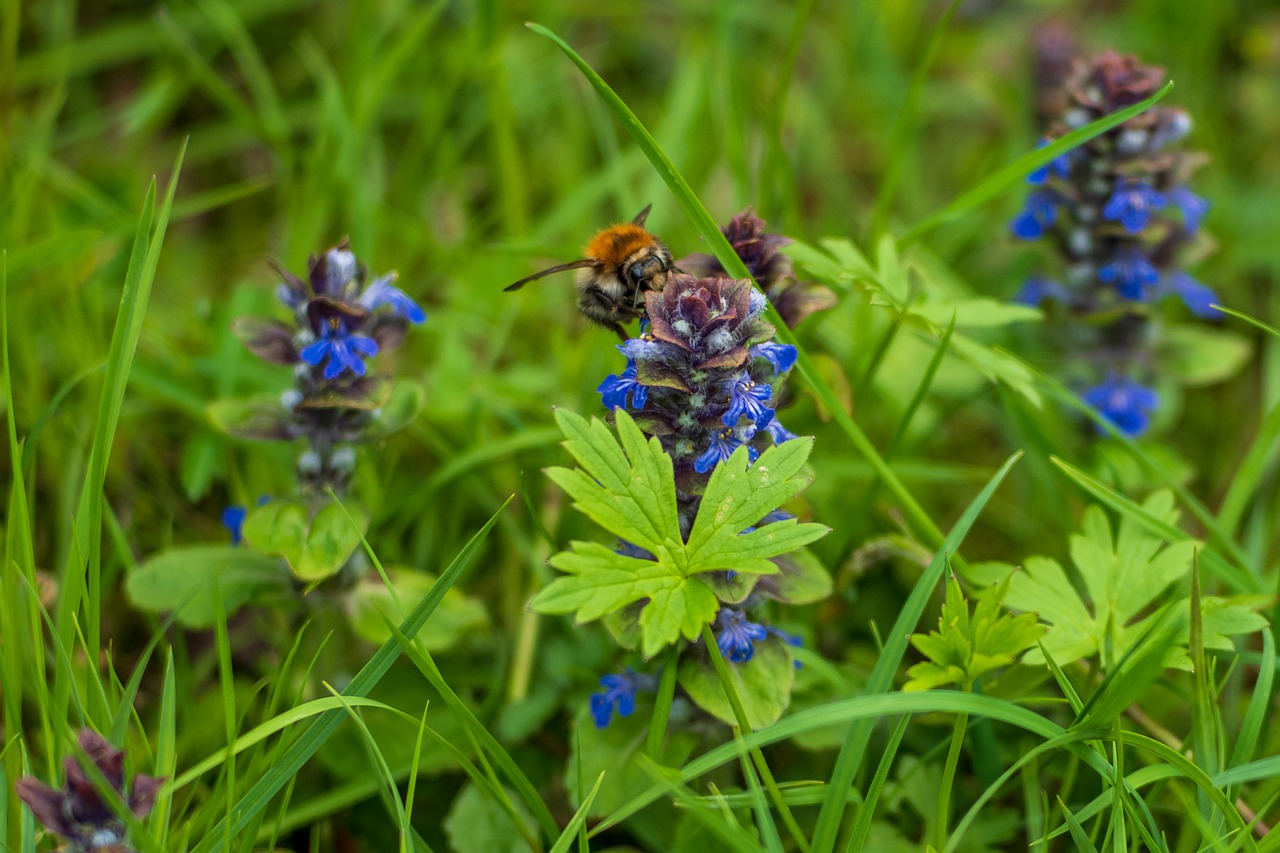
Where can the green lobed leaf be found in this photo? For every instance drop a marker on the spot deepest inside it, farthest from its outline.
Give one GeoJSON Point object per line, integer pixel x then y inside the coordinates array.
{"type": "Point", "coordinates": [966, 647]}
{"type": "Point", "coordinates": [477, 824]}
{"type": "Point", "coordinates": [629, 489]}
{"type": "Point", "coordinates": [315, 547]}
{"type": "Point", "coordinates": [184, 579]}
{"type": "Point", "coordinates": [371, 606]}
{"type": "Point", "coordinates": [1124, 574]}
{"type": "Point", "coordinates": [634, 498]}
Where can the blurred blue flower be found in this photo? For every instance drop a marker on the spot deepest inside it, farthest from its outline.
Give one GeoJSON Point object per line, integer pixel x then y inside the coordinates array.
{"type": "Point", "coordinates": [1132, 203]}
{"type": "Point", "coordinates": [619, 694]}
{"type": "Point", "coordinates": [628, 549]}
{"type": "Point", "coordinates": [1132, 272]}
{"type": "Point", "coordinates": [778, 432]}
{"type": "Point", "coordinates": [1059, 166]}
{"type": "Point", "coordinates": [1193, 207]}
{"type": "Point", "coordinates": [1037, 289]}
{"type": "Point", "coordinates": [233, 519]}
{"type": "Point", "coordinates": [748, 398]}
{"type": "Point", "coordinates": [737, 636]}
{"type": "Point", "coordinates": [781, 356]}
{"type": "Point", "coordinates": [1125, 402]}
{"type": "Point", "coordinates": [777, 515]}
{"type": "Point", "coordinates": [383, 292]}
{"type": "Point", "coordinates": [615, 388]}
{"type": "Point", "coordinates": [1040, 212]}
{"type": "Point", "coordinates": [1199, 298]}
{"type": "Point", "coordinates": [344, 350]}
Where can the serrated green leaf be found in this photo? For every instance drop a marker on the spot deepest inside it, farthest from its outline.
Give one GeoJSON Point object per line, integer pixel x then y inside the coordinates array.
{"type": "Point", "coordinates": [740, 493]}
{"type": "Point", "coordinates": [628, 487]}
{"type": "Point", "coordinates": [1124, 574]}
{"type": "Point", "coordinates": [601, 581]}
{"type": "Point", "coordinates": [966, 647]}
{"type": "Point", "coordinates": [676, 611]}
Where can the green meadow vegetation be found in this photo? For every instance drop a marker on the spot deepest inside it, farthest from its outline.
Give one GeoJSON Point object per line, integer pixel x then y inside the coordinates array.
{"type": "Point", "coordinates": [289, 567]}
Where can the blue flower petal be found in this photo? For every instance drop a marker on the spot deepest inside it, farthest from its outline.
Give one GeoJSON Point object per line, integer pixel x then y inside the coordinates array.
{"type": "Point", "coordinates": [1193, 207]}
{"type": "Point", "coordinates": [721, 448]}
{"type": "Point", "coordinates": [1132, 203]}
{"type": "Point", "coordinates": [619, 694]}
{"type": "Point", "coordinates": [737, 636]}
{"type": "Point", "coordinates": [382, 292]}
{"type": "Point", "coordinates": [615, 389]}
{"type": "Point", "coordinates": [747, 398]}
{"type": "Point", "coordinates": [781, 356]}
{"type": "Point", "coordinates": [1037, 290]}
{"type": "Point", "coordinates": [1040, 212]}
{"type": "Point", "coordinates": [1132, 272]}
{"type": "Point", "coordinates": [344, 351]}
{"type": "Point", "coordinates": [233, 519]}
{"type": "Point", "coordinates": [1125, 402]}
{"type": "Point", "coordinates": [1199, 298]}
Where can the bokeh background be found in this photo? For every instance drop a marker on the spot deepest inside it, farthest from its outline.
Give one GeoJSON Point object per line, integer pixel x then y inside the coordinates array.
{"type": "Point", "coordinates": [453, 144]}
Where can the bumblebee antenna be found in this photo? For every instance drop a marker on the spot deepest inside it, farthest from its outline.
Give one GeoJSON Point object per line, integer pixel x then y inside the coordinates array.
{"type": "Point", "coordinates": [642, 215]}
{"type": "Point", "coordinates": [572, 265]}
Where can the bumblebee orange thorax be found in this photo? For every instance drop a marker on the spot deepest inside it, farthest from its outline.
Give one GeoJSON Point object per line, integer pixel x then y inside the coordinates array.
{"type": "Point", "coordinates": [615, 244]}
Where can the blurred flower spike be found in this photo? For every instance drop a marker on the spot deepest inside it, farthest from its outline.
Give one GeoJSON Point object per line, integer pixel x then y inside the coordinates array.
{"type": "Point", "coordinates": [1119, 214]}
{"type": "Point", "coordinates": [77, 811]}
{"type": "Point", "coordinates": [341, 321]}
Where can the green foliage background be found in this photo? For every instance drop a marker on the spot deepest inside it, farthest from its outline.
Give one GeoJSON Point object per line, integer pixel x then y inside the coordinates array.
{"type": "Point", "coordinates": [456, 146]}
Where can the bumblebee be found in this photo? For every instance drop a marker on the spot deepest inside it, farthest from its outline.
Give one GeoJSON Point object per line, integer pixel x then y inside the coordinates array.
{"type": "Point", "coordinates": [622, 262]}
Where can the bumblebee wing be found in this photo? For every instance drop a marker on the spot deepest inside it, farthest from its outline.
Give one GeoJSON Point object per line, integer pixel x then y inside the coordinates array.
{"type": "Point", "coordinates": [572, 265]}
{"type": "Point", "coordinates": [642, 215]}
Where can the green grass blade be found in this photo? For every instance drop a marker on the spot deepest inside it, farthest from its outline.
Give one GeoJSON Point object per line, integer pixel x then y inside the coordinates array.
{"type": "Point", "coordinates": [1211, 789]}
{"type": "Point", "coordinates": [87, 527]}
{"type": "Point", "coordinates": [868, 708]}
{"type": "Point", "coordinates": [1014, 173]}
{"type": "Point", "coordinates": [862, 825]}
{"type": "Point", "coordinates": [1259, 702]}
{"type": "Point", "coordinates": [761, 809]}
{"type": "Point", "coordinates": [579, 819]}
{"type": "Point", "coordinates": [881, 680]}
{"type": "Point", "coordinates": [301, 751]}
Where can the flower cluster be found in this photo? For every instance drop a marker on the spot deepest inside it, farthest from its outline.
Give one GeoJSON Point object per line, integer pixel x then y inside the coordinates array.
{"type": "Point", "coordinates": [1119, 214]}
{"type": "Point", "coordinates": [703, 376]}
{"type": "Point", "coordinates": [77, 812]}
{"type": "Point", "coordinates": [772, 270]}
{"type": "Point", "coordinates": [341, 320]}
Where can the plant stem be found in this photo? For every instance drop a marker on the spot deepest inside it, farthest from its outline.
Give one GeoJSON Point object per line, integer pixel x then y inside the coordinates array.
{"type": "Point", "coordinates": [662, 707]}
{"type": "Point", "coordinates": [744, 728]}
{"type": "Point", "coordinates": [948, 778]}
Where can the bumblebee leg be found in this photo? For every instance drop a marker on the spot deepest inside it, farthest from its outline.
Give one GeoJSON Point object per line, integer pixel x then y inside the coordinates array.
{"type": "Point", "coordinates": [622, 333]}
